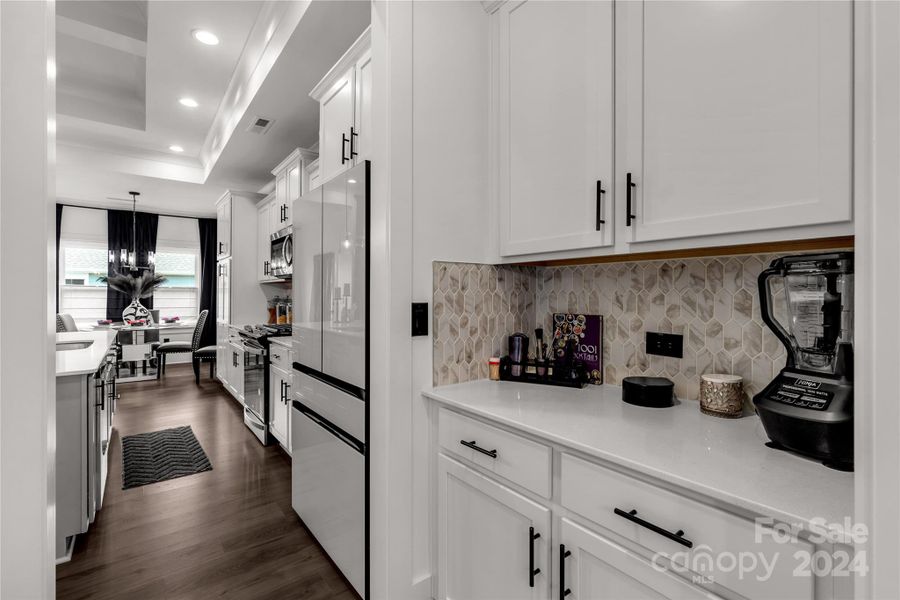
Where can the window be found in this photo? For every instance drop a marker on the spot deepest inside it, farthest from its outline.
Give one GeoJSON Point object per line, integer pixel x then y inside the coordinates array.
{"type": "Point", "coordinates": [179, 296]}
{"type": "Point", "coordinates": [81, 264]}
{"type": "Point", "coordinates": [82, 295]}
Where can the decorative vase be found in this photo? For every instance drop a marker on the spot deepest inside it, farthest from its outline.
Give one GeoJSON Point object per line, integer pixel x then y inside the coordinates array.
{"type": "Point", "coordinates": [135, 311]}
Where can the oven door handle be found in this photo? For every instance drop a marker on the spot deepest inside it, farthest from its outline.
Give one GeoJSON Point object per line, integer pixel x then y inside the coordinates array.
{"type": "Point", "coordinates": [253, 350]}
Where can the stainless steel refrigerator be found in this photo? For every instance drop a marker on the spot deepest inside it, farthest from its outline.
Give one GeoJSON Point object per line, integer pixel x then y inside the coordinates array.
{"type": "Point", "coordinates": [329, 423]}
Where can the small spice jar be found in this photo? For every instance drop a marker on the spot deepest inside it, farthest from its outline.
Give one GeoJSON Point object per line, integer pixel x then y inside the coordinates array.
{"type": "Point", "coordinates": [494, 365]}
{"type": "Point", "coordinates": [722, 395]}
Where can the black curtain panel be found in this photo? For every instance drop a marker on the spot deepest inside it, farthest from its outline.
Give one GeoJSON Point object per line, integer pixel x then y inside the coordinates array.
{"type": "Point", "coordinates": [120, 236]}
{"type": "Point", "coordinates": [59, 211]}
{"type": "Point", "coordinates": [208, 253]}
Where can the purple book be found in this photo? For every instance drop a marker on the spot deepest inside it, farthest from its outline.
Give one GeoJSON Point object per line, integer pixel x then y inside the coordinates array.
{"type": "Point", "coordinates": [587, 330]}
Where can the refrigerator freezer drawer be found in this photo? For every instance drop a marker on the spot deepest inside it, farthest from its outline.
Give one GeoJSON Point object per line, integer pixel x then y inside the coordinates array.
{"type": "Point", "coordinates": [328, 492]}
{"type": "Point", "coordinates": [345, 411]}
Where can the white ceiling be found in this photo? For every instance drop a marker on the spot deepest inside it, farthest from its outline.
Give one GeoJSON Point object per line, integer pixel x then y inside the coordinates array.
{"type": "Point", "coordinates": [115, 122]}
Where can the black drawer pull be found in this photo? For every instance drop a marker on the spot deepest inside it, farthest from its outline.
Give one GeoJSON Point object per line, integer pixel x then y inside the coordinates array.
{"type": "Point", "coordinates": [473, 446]}
{"type": "Point", "coordinates": [600, 192]}
{"type": "Point", "coordinates": [629, 212]}
{"type": "Point", "coordinates": [678, 536]}
{"type": "Point", "coordinates": [563, 554]}
{"type": "Point", "coordinates": [531, 570]}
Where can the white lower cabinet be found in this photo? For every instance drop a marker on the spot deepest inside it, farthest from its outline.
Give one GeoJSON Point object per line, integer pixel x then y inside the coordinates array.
{"type": "Point", "coordinates": [280, 406]}
{"type": "Point", "coordinates": [600, 534]}
{"type": "Point", "coordinates": [491, 538]}
{"type": "Point", "coordinates": [595, 568]}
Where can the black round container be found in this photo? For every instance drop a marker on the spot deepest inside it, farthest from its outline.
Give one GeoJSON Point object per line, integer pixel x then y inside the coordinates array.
{"type": "Point", "coordinates": [654, 392]}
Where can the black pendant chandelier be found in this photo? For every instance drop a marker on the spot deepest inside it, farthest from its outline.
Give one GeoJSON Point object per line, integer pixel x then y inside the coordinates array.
{"type": "Point", "coordinates": [126, 258]}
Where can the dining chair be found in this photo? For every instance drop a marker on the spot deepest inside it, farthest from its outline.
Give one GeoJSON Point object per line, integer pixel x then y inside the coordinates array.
{"type": "Point", "coordinates": [166, 348]}
{"type": "Point", "coordinates": [65, 322]}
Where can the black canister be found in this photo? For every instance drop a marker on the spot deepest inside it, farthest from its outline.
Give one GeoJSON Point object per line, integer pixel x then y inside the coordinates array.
{"type": "Point", "coordinates": [518, 353]}
{"type": "Point", "coordinates": [653, 392]}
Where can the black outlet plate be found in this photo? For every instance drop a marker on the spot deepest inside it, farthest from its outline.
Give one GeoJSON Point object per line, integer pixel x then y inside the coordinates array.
{"type": "Point", "coordinates": [665, 344]}
{"type": "Point", "coordinates": [419, 318]}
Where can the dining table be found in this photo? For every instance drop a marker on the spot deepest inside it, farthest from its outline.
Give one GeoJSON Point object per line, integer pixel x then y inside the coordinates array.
{"type": "Point", "coordinates": [136, 344]}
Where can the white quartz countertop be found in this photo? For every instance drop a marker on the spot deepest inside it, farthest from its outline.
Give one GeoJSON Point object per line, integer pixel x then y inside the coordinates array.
{"type": "Point", "coordinates": [723, 459]}
{"type": "Point", "coordinates": [283, 341]}
{"type": "Point", "coordinates": [85, 360]}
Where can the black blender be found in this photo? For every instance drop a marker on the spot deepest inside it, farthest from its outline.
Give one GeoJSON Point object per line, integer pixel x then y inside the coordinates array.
{"type": "Point", "coordinates": [808, 407]}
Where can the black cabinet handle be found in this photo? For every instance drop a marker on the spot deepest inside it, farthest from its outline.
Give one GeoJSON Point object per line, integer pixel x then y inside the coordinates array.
{"type": "Point", "coordinates": [353, 135]}
{"type": "Point", "coordinates": [629, 213]}
{"type": "Point", "coordinates": [473, 446]}
{"type": "Point", "coordinates": [600, 192]}
{"type": "Point", "coordinates": [563, 554]}
{"type": "Point", "coordinates": [678, 536]}
{"type": "Point", "coordinates": [220, 247]}
{"type": "Point", "coordinates": [344, 141]}
{"type": "Point", "coordinates": [531, 570]}
{"type": "Point", "coordinates": [287, 392]}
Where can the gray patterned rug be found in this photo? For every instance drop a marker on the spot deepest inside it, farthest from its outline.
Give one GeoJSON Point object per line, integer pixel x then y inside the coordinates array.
{"type": "Point", "coordinates": [161, 455]}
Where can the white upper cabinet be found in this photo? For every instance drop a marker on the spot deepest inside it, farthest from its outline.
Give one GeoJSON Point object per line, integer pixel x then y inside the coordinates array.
{"type": "Point", "coordinates": [264, 228]}
{"type": "Point", "coordinates": [291, 182]}
{"type": "Point", "coordinates": [696, 119]}
{"type": "Point", "coordinates": [555, 125]}
{"type": "Point", "coordinates": [739, 115]}
{"type": "Point", "coordinates": [223, 226]}
{"type": "Point", "coordinates": [344, 97]}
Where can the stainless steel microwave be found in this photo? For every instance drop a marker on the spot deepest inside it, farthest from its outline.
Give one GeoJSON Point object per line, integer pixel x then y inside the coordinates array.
{"type": "Point", "coordinates": [282, 254]}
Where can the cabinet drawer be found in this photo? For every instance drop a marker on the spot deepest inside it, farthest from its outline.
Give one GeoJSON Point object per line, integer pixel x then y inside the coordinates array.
{"type": "Point", "coordinates": [522, 461]}
{"type": "Point", "coordinates": [596, 492]}
{"type": "Point", "coordinates": [280, 357]}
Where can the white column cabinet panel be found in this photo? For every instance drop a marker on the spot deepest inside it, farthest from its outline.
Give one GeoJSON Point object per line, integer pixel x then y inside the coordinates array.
{"type": "Point", "coordinates": [484, 531]}
{"type": "Point", "coordinates": [223, 227]}
{"type": "Point", "coordinates": [555, 125]}
{"type": "Point", "coordinates": [598, 569]}
{"type": "Point", "coordinates": [739, 115]}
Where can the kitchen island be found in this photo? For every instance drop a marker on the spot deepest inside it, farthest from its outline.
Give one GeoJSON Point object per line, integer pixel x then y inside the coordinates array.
{"type": "Point", "coordinates": [85, 404]}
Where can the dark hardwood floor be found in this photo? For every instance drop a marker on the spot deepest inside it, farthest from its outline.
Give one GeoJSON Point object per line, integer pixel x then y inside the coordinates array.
{"type": "Point", "coordinates": [229, 532]}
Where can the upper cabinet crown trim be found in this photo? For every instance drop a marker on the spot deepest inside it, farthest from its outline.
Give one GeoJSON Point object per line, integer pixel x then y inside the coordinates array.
{"type": "Point", "coordinates": [346, 62]}
{"type": "Point", "coordinates": [303, 153]}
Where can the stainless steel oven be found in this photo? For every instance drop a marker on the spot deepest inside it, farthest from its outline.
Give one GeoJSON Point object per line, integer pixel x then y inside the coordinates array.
{"type": "Point", "coordinates": [255, 388]}
{"type": "Point", "coordinates": [282, 253]}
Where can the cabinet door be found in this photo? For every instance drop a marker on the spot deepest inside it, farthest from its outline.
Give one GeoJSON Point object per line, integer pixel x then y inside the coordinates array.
{"type": "Point", "coordinates": [362, 142]}
{"type": "Point", "coordinates": [739, 115]}
{"type": "Point", "coordinates": [293, 191]}
{"type": "Point", "coordinates": [222, 352]}
{"type": "Point", "coordinates": [344, 286]}
{"type": "Point", "coordinates": [307, 279]}
{"type": "Point", "coordinates": [223, 291]}
{"type": "Point", "coordinates": [335, 120]}
{"type": "Point", "coordinates": [484, 538]}
{"type": "Point", "coordinates": [281, 199]}
{"type": "Point", "coordinates": [223, 227]}
{"type": "Point", "coordinates": [598, 569]}
{"type": "Point", "coordinates": [277, 404]}
{"type": "Point", "coordinates": [555, 125]}
{"type": "Point", "coordinates": [263, 240]}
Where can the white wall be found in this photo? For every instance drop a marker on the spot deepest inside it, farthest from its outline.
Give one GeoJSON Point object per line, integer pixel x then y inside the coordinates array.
{"type": "Point", "coordinates": [877, 335]}
{"type": "Point", "coordinates": [430, 202]}
{"type": "Point", "coordinates": [27, 262]}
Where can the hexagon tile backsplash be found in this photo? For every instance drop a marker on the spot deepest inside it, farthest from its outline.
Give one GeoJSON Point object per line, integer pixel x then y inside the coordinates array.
{"type": "Point", "coordinates": [712, 302]}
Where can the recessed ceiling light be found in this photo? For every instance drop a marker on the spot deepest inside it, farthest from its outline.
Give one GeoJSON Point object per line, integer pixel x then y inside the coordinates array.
{"type": "Point", "coordinates": [205, 37]}
{"type": "Point", "coordinates": [176, 148]}
{"type": "Point", "coordinates": [189, 102]}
